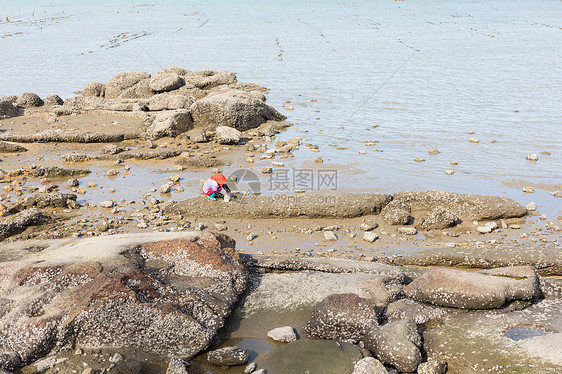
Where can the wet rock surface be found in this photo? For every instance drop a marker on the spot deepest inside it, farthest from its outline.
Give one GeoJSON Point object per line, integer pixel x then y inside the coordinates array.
{"type": "Point", "coordinates": [166, 297]}
{"type": "Point", "coordinates": [19, 222]}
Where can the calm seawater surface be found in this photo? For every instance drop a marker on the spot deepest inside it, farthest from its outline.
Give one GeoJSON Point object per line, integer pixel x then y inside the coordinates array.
{"type": "Point", "coordinates": [426, 72]}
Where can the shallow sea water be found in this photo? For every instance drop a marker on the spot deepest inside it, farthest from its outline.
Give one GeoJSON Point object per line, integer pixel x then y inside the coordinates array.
{"type": "Point", "coordinates": [426, 72]}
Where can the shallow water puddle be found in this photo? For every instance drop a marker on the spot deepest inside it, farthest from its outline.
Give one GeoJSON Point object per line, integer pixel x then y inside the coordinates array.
{"type": "Point", "coordinates": [524, 332]}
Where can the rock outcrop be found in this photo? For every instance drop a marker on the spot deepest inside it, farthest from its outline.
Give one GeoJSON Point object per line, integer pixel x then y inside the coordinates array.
{"type": "Point", "coordinates": [166, 297]}
{"type": "Point", "coordinates": [232, 108]}
{"type": "Point", "coordinates": [19, 222]}
{"type": "Point", "coordinates": [29, 100]}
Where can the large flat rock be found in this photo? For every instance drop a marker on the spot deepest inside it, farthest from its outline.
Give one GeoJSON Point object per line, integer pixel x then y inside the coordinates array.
{"type": "Point", "coordinates": [165, 294]}
{"type": "Point", "coordinates": [465, 206]}
{"type": "Point", "coordinates": [306, 206]}
{"type": "Point", "coordinates": [547, 261]}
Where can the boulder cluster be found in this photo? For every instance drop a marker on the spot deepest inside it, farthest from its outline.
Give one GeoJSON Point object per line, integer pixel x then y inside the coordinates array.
{"type": "Point", "coordinates": [172, 101]}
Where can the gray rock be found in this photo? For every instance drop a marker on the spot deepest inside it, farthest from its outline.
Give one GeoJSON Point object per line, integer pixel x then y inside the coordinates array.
{"type": "Point", "coordinates": [466, 290]}
{"type": "Point", "coordinates": [111, 149]}
{"type": "Point", "coordinates": [228, 135]}
{"type": "Point", "coordinates": [86, 103]}
{"type": "Point", "coordinates": [250, 368]}
{"type": "Point", "coordinates": [45, 364]}
{"type": "Point", "coordinates": [9, 98]}
{"type": "Point", "coordinates": [369, 365]}
{"type": "Point", "coordinates": [370, 237]}
{"type": "Point", "coordinates": [228, 356]}
{"type": "Point", "coordinates": [368, 226]}
{"type": "Point", "coordinates": [236, 109]}
{"type": "Point", "coordinates": [467, 207]}
{"type": "Point", "coordinates": [285, 334]}
{"type": "Point", "coordinates": [328, 206]}
{"type": "Point", "coordinates": [163, 82]}
{"type": "Point", "coordinates": [94, 89]}
{"type": "Point", "coordinates": [433, 367]}
{"type": "Point", "coordinates": [52, 199]}
{"type": "Point", "coordinates": [116, 358]}
{"type": "Point", "coordinates": [220, 227]}
{"type": "Point", "coordinates": [396, 344]}
{"type": "Point", "coordinates": [19, 222]}
{"type": "Point", "coordinates": [53, 100]}
{"type": "Point", "coordinates": [140, 90]}
{"type": "Point", "coordinates": [407, 230]}
{"type": "Point", "coordinates": [531, 207]}
{"type": "Point", "coordinates": [123, 80]}
{"type": "Point", "coordinates": [107, 204]}
{"type": "Point", "coordinates": [170, 123]}
{"type": "Point", "coordinates": [396, 213]}
{"type": "Point", "coordinates": [410, 309]}
{"type": "Point", "coordinates": [330, 236]}
{"type": "Point", "coordinates": [342, 316]}
{"type": "Point", "coordinates": [176, 70]}
{"type": "Point", "coordinates": [439, 218]}
{"type": "Point", "coordinates": [266, 129]}
{"type": "Point", "coordinates": [8, 110]}
{"type": "Point", "coordinates": [177, 366]}
{"type": "Point", "coordinates": [208, 79]}
{"type": "Point", "coordinates": [29, 100]}
{"type": "Point", "coordinates": [197, 136]}
{"type": "Point", "coordinates": [166, 101]}
{"type": "Point", "coordinates": [7, 147]}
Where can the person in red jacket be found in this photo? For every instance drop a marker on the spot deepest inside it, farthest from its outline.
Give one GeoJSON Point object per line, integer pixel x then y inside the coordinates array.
{"type": "Point", "coordinates": [213, 187]}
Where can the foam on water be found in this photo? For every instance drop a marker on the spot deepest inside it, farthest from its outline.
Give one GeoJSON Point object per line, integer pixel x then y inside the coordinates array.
{"type": "Point", "coordinates": [427, 72]}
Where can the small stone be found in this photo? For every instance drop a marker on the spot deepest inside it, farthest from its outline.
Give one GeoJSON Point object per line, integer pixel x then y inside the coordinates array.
{"type": "Point", "coordinates": [228, 356]}
{"type": "Point", "coordinates": [543, 217]}
{"type": "Point", "coordinates": [112, 172]}
{"type": "Point", "coordinates": [432, 367]}
{"type": "Point", "coordinates": [278, 164]}
{"type": "Point", "coordinates": [369, 365]}
{"type": "Point", "coordinates": [102, 226]}
{"type": "Point", "coordinates": [449, 172]}
{"type": "Point", "coordinates": [433, 151]}
{"type": "Point", "coordinates": [107, 204]}
{"type": "Point", "coordinates": [528, 189]}
{"type": "Point", "coordinates": [407, 230]}
{"type": "Point", "coordinates": [166, 188]}
{"type": "Point", "coordinates": [370, 236]}
{"type": "Point", "coordinates": [283, 334]}
{"type": "Point", "coordinates": [220, 227]}
{"type": "Point", "coordinates": [116, 358]}
{"type": "Point", "coordinates": [72, 182]}
{"type": "Point", "coordinates": [454, 162]}
{"type": "Point", "coordinates": [473, 140]}
{"type": "Point", "coordinates": [200, 227]}
{"type": "Point", "coordinates": [514, 227]}
{"type": "Point", "coordinates": [267, 170]}
{"type": "Point", "coordinates": [250, 368]}
{"type": "Point", "coordinates": [330, 236]}
{"type": "Point", "coordinates": [318, 160]}
{"type": "Point", "coordinates": [88, 371]}
{"type": "Point", "coordinates": [175, 178]}
{"type": "Point", "coordinates": [503, 224]}
{"type": "Point", "coordinates": [368, 226]}
{"type": "Point", "coordinates": [362, 152]}
{"type": "Point", "coordinates": [531, 206]}
{"type": "Point", "coordinates": [251, 236]}
{"type": "Point", "coordinates": [260, 371]}
{"type": "Point", "coordinates": [419, 159]}
{"type": "Point", "coordinates": [556, 193]}
{"type": "Point", "coordinates": [78, 351]}
{"type": "Point", "coordinates": [484, 229]}
{"type": "Point", "coordinates": [177, 366]}
{"type": "Point", "coordinates": [532, 157]}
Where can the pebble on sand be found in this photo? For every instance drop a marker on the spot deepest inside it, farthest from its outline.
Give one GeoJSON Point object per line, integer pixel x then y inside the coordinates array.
{"type": "Point", "coordinates": [370, 236]}
{"type": "Point", "coordinates": [283, 334]}
{"type": "Point", "coordinates": [532, 157]}
{"type": "Point", "coordinates": [473, 140]}
{"type": "Point", "coordinates": [433, 151]}
{"type": "Point", "coordinates": [419, 159]}
{"type": "Point", "coordinates": [449, 172]}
